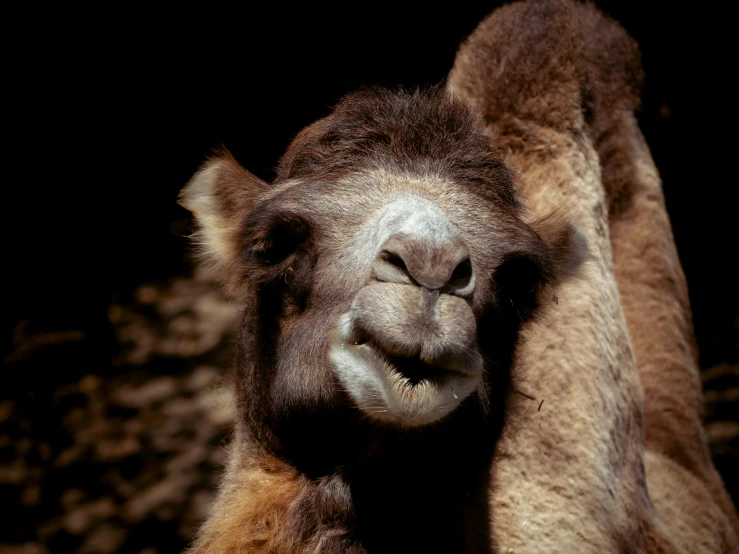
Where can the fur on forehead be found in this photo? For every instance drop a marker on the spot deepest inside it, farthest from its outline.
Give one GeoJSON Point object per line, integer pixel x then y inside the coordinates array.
{"type": "Point", "coordinates": [419, 132]}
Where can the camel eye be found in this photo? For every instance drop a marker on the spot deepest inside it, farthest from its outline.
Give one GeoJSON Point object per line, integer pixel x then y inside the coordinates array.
{"type": "Point", "coordinates": [518, 278]}
{"type": "Point", "coordinates": [278, 238]}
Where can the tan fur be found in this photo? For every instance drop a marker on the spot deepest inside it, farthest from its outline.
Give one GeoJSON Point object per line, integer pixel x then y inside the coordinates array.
{"type": "Point", "coordinates": [691, 501]}
{"type": "Point", "coordinates": [572, 478]}
{"type": "Point", "coordinates": [253, 508]}
{"type": "Point", "coordinates": [561, 484]}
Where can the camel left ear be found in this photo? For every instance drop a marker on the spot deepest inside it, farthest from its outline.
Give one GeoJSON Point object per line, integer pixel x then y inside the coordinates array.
{"type": "Point", "coordinates": [567, 245]}
{"type": "Point", "coordinates": [221, 195]}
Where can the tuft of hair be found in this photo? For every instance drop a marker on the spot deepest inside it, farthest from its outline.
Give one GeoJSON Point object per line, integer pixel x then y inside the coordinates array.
{"type": "Point", "coordinates": [419, 131]}
{"type": "Point", "coordinates": [252, 513]}
{"type": "Point", "coordinates": [615, 76]}
{"type": "Point", "coordinates": [533, 75]}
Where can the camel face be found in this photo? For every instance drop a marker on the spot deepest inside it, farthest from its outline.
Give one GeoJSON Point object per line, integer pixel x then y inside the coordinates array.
{"type": "Point", "coordinates": [406, 349]}
{"type": "Point", "coordinates": [388, 270]}
{"type": "Point", "coordinates": [391, 296]}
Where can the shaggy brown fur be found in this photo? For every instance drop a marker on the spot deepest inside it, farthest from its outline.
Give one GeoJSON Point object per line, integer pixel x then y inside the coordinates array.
{"type": "Point", "coordinates": [578, 74]}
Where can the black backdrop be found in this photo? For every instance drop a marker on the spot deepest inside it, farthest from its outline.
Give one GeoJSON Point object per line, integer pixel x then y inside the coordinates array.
{"type": "Point", "coordinates": [112, 111]}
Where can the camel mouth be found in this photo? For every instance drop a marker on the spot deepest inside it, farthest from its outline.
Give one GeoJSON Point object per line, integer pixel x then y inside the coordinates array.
{"type": "Point", "coordinates": [405, 390]}
{"type": "Point", "coordinates": [411, 369]}
{"type": "Point", "coordinates": [405, 355]}
{"type": "Point", "coordinates": [415, 370]}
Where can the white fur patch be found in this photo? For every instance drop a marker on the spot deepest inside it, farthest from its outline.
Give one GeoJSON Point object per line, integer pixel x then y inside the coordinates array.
{"type": "Point", "coordinates": [409, 214]}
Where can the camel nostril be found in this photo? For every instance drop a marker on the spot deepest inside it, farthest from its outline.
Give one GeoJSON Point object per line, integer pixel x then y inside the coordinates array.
{"type": "Point", "coordinates": [461, 275]}
{"type": "Point", "coordinates": [432, 263]}
{"type": "Point", "coordinates": [393, 259]}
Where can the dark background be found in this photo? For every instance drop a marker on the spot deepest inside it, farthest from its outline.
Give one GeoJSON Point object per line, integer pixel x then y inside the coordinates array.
{"type": "Point", "coordinates": [112, 111]}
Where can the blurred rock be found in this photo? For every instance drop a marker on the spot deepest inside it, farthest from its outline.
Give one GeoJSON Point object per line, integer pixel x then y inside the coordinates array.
{"type": "Point", "coordinates": [6, 408]}
{"type": "Point", "coordinates": [81, 518]}
{"type": "Point", "coordinates": [27, 548]}
{"type": "Point", "coordinates": [104, 539]}
{"type": "Point", "coordinates": [110, 450]}
{"type": "Point", "coordinates": [202, 377]}
{"type": "Point", "coordinates": [172, 490]}
{"type": "Point", "coordinates": [126, 461]}
{"type": "Point", "coordinates": [13, 473]}
{"type": "Point", "coordinates": [147, 393]}
{"type": "Point", "coordinates": [722, 431]}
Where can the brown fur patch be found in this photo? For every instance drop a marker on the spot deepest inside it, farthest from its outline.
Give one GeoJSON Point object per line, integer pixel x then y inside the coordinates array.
{"type": "Point", "coordinates": [614, 76]}
{"type": "Point", "coordinates": [538, 64]}
{"type": "Point", "coordinates": [569, 63]}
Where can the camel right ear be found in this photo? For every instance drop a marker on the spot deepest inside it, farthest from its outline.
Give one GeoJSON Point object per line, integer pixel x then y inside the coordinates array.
{"type": "Point", "coordinates": [567, 244]}
{"type": "Point", "coordinates": [220, 195]}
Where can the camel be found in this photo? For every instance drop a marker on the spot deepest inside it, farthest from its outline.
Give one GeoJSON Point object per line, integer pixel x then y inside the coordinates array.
{"type": "Point", "coordinates": [387, 276]}
{"type": "Point", "coordinates": [682, 506]}
{"type": "Point", "coordinates": [422, 263]}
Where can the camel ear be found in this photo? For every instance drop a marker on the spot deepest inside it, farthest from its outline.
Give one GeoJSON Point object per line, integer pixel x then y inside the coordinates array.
{"type": "Point", "coordinates": [567, 245]}
{"type": "Point", "coordinates": [220, 195]}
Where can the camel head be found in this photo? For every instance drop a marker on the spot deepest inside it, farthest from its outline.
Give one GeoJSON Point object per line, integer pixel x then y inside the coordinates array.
{"type": "Point", "coordinates": [387, 272]}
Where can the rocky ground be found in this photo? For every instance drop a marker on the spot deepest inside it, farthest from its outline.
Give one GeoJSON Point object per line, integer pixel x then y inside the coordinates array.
{"type": "Point", "coordinates": [124, 459]}
{"type": "Point", "coordinates": [123, 456]}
